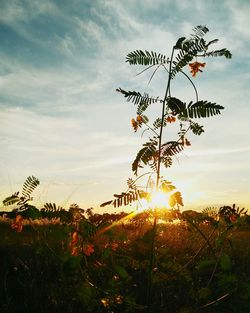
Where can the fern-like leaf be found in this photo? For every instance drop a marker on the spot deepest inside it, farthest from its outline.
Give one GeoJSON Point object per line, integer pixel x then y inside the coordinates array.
{"type": "Point", "coordinates": [126, 198]}
{"type": "Point", "coordinates": [167, 186]}
{"type": "Point", "coordinates": [167, 161]}
{"type": "Point", "coordinates": [171, 148]}
{"type": "Point", "coordinates": [210, 212]}
{"type": "Point", "coordinates": [218, 53]}
{"type": "Point", "coordinates": [157, 123]}
{"type": "Point", "coordinates": [11, 199]}
{"type": "Point", "coordinates": [199, 31]}
{"type": "Point", "coordinates": [51, 207]}
{"type": "Point", "coordinates": [196, 128]}
{"type": "Point", "coordinates": [29, 186]}
{"type": "Point", "coordinates": [138, 98]}
{"type": "Point", "coordinates": [176, 105]}
{"type": "Point", "coordinates": [145, 155]}
{"type": "Point", "coordinates": [142, 107]}
{"type": "Point", "coordinates": [182, 59]}
{"type": "Point", "coordinates": [202, 109]}
{"type": "Point", "coordinates": [146, 58]}
{"type": "Point", "coordinates": [131, 184]}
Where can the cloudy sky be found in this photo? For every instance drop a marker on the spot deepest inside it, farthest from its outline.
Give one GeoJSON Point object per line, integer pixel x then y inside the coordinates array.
{"type": "Point", "coordinates": [62, 121]}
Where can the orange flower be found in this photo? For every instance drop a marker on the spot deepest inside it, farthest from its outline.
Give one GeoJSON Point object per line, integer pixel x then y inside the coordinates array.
{"type": "Point", "coordinates": [73, 244]}
{"type": "Point", "coordinates": [18, 224]}
{"type": "Point", "coordinates": [105, 302]}
{"type": "Point", "coordinates": [134, 124]}
{"type": "Point", "coordinates": [171, 119]}
{"type": "Point", "coordinates": [233, 218]}
{"type": "Point", "coordinates": [139, 119]}
{"type": "Point", "coordinates": [74, 238]}
{"type": "Point", "coordinates": [74, 251]}
{"type": "Point", "coordinates": [195, 67]}
{"type": "Point", "coordinates": [114, 246]}
{"type": "Point", "coordinates": [119, 299]}
{"type": "Point", "coordinates": [88, 250]}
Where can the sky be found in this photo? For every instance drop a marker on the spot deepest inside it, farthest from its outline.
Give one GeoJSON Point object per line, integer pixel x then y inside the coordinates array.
{"type": "Point", "coordinates": [62, 121]}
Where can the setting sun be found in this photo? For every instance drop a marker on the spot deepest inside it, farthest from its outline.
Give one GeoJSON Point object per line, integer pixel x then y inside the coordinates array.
{"type": "Point", "coordinates": [159, 199]}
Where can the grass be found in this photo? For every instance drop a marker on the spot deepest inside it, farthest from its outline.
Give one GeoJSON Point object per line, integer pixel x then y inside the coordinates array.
{"type": "Point", "coordinates": [86, 266]}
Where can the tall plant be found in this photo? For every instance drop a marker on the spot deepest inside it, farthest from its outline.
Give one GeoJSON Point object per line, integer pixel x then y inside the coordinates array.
{"type": "Point", "coordinates": [156, 151]}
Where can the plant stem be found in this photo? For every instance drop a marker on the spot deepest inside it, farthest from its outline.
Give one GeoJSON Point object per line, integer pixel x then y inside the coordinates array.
{"type": "Point", "coordinates": [152, 248]}
{"type": "Point", "coordinates": [162, 121]}
{"type": "Point", "coordinates": [151, 264]}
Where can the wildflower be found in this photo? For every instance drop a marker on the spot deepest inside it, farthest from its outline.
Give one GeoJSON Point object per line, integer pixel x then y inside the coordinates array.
{"type": "Point", "coordinates": [18, 224]}
{"type": "Point", "coordinates": [114, 246]}
{"type": "Point", "coordinates": [74, 251]}
{"type": "Point", "coordinates": [119, 299]}
{"type": "Point", "coordinates": [139, 119]}
{"type": "Point", "coordinates": [105, 302]}
{"type": "Point", "coordinates": [233, 218]}
{"type": "Point", "coordinates": [134, 124]}
{"type": "Point", "coordinates": [171, 119]}
{"type": "Point", "coordinates": [73, 244]}
{"type": "Point", "coordinates": [88, 250]}
{"type": "Point", "coordinates": [74, 238]}
{"type": "Point", "coordinates": [195, 67]}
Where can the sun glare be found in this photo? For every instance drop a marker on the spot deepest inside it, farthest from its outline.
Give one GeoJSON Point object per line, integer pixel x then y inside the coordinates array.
{"type": "Point", "coordinates": [158, 199]}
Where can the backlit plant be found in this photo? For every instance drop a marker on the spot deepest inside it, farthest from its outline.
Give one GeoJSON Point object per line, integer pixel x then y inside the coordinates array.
{"type": "Point", "coordinates": [157, 151]}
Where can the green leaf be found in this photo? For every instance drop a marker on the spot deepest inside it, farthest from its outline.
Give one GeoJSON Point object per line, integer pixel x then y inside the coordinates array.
{"type": "Point", "coordinates": [121, 271]}
{"type": "Point", "coordinates": [171, 148]}
{"type": "Point", "coordinates": [217, 53]}
{"type": "Point", "coordinates": [175, 199]}
{"type": "Point", "coordinates": [196, 128]}
{"type": "Point", "coordinates": [145, 155]}
{"type": "Point", "coordinates": [142, 107]}
{"type": "Point", "coordinates": [29, 186]}
{"type": "Point", "coordinates": [136, 97]}
{"type": "Point", "coordinates": [204, 293]}
{"type": "Point", "coordinates": [146, 58]}
{"type": "Point", "coordinates": [179, 42]}
{"type": "Point", "coordinates": [202, 109]}
{"type": "Point", "coordinates": [11, 199]}
{"type": "Point", "coordinates": [182, 59]}
{"type": "Point", "coordinates": [157, 123]}
{"type": "Point", "coordinates": [176, 105]}
{"type": "Point", "coordinates": [166, 186]}
{"type": "Point", "coordinates": [167, 161]}
{"type": "Point", "coordinates": [225, 262]}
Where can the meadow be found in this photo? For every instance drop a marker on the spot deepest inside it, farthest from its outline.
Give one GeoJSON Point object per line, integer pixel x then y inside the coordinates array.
{"type": "Point", "coordinates": [81, 261]}
{"type": "Point", "coordinates": [157, 258]}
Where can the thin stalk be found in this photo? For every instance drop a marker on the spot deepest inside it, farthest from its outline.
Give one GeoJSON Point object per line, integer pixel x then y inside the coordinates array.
{"type": "Point", "coordinates": [151, 264]}
{"type": "Point", "coordinates": [196, 92]}
{"type": "Point", "coordinates": [162, 121]}
{"type": "Point", "coordinates": [152, 248]}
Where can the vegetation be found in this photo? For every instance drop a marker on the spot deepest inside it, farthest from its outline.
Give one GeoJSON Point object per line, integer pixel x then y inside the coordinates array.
{"type": "Point", "coordinates": [99, 262]}
{"type": "Point", "coordinates": [156, 259]}
{"type": "Point", "coordinates": [156, 151]}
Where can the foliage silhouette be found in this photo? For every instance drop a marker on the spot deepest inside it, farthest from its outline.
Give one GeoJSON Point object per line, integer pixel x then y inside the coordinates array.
{"type": "Point", "coordinates": [155, 152]}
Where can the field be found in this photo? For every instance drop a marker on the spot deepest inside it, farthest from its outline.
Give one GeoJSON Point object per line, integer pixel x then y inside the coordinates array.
{"type": "Point", "coordinates": [84, 262]}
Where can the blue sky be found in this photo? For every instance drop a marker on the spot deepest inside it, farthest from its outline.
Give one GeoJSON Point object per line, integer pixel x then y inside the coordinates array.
{"type": "Point", "coordinates": [62, 121]}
